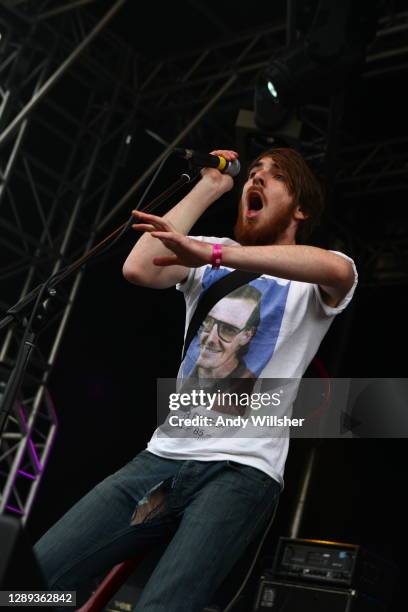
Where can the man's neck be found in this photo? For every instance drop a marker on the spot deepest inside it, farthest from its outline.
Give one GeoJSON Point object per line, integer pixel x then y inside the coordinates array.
{"type": "Point", "coordinates": [222, 371]}
{"type": "Point", "coordinates": [288, 237]}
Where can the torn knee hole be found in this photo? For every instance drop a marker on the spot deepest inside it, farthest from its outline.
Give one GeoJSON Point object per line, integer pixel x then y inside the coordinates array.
{"type": "Point", "coordinates": [150, 506]}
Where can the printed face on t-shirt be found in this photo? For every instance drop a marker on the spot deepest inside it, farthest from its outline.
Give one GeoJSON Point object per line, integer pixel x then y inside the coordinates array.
{"type": "Point", "coordinates": [223, 333]}
{"type": "Point", "coordinates": [259, 306]}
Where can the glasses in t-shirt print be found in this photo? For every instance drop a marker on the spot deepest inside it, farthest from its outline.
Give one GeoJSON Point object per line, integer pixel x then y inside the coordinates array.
{"type": "Point", "coordinates": [237, 312]}
{"type": "Point", "coordinates": [226, 332]}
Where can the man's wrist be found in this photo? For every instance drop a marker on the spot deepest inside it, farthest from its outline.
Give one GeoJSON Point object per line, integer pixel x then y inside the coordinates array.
{"type": "Point", "coordinates": [215, 185]}
{"type": "Point", "coordinates": [229, 256]}
{"type": "Point", "coordinates": [216, 256]}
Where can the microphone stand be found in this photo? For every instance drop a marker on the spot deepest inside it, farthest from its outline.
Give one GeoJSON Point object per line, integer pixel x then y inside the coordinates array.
{"type": "Point", "coordinates": [35, 322]}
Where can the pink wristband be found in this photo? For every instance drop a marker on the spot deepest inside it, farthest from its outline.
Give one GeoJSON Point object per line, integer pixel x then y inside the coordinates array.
{"type": "Point", "coordinates": [216, 258]}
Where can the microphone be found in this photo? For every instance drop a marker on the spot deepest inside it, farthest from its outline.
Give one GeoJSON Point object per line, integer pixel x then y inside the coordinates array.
{"type": "Point", "coordinates": [205, 160]}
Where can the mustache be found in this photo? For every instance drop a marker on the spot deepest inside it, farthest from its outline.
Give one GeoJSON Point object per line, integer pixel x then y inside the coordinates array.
{"type": "Point", "coordinates": [259, 234]}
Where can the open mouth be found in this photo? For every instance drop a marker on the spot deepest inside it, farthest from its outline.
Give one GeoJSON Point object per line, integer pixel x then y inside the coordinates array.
{"type": "Point", "coordinates": [254, 204]}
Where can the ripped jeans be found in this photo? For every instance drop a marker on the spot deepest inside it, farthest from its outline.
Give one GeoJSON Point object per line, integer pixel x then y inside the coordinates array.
{"type": "Point", "coordinates": [211, 511]}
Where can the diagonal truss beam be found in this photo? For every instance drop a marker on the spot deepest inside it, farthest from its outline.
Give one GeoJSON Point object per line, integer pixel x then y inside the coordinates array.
{"type": "Point", "coordinates": [54, 78]}
{"type": "Point", "coordinates": [69, 6]}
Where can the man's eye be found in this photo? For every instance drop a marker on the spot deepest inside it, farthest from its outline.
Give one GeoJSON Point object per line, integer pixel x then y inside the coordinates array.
{"type": "Point", "coordinates": [279, 177]}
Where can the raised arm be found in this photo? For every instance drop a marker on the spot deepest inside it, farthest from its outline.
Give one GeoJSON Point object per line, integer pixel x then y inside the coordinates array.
{"type": "Point", "coordinates": [139, 267]}
{"type": "Point", "coordinates": [333, 273]}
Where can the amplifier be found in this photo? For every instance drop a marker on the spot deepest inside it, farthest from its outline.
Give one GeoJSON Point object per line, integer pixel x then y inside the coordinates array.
{"type": "Point", "coordinates": [279, 596]}
{"type": "Point", "coordinates": [336, 564]}
{"type": "Point", "coordinates": [19, 569]}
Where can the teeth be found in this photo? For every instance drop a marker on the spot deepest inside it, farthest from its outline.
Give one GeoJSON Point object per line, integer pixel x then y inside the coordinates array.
{"type": "Point", "coordinates": [207, 348]}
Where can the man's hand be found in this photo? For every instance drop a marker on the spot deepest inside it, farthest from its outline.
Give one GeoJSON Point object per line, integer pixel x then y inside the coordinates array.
{"type": "Point", "coordinates": [187, 252]}
{"type": "Point", "coordinates": [215, 178]}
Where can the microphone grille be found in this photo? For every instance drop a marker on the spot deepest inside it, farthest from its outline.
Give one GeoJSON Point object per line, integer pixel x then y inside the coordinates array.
{"type": "Point", "coordinates": [233, 168]}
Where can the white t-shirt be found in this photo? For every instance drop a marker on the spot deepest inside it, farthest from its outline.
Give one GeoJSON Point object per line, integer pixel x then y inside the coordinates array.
{"type": "Point", "coordinates": [293, 319]}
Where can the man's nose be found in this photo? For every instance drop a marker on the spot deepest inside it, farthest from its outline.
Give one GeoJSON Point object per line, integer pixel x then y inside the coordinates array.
{"type": "Point", "coordinates": [213, 335]}
{"type": "Point", "coordinates": [259, 179]}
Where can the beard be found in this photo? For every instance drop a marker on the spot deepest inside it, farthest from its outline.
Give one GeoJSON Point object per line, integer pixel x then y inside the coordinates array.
{"type": "Point", "coordinates": [260, 233]}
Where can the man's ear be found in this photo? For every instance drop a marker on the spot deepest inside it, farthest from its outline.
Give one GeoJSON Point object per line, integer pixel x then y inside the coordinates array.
{"type": "Point", "coordinates": [300, 215]}
{"type": "Point", "coordinates": [247, 336]}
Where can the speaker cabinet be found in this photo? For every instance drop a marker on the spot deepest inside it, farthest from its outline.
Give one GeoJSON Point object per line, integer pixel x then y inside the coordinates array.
{"type": "Point", "coordinates": [279, 596]}
{"type": "Point", "coordinates": [18, 566]}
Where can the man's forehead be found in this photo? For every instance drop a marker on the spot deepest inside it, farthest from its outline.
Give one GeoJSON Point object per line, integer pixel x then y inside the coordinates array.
{"type": "Point", "coordinates": [265, 162]}
{"type": "Point", "coordinates": [228, 308]}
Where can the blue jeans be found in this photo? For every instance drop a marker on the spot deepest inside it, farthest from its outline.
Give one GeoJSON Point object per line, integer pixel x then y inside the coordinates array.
{"type": "Point", "coordinates": [210, 510]}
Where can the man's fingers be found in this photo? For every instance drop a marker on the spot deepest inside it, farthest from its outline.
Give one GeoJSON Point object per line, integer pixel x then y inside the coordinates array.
{"type": "Point", "coordinates": [144, 215]}
{"type": "Point", "coordinates": [167, 236]}
{"type": "Point", "coordinates": [152, 219]}
{"type": "Point", "coordinates": [143, 227]}
{"type": "Point", "coordinates": [229, 155]}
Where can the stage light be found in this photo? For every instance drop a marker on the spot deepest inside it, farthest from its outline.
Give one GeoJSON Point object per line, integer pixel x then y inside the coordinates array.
{"type": "Point", "coordinates": [272, 89]}
{"type": "Point", "coordinates": [4, 35]}
{"type": "Point", "coordinates": [316, 63]}
{"type": "Point", "coordinates": [281, 85]}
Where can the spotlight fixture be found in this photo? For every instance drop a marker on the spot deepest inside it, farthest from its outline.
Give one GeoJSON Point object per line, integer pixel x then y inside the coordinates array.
{"type": "Point", "coordinates": [281, 85]}
{"type": "Point", "coordinates": [3, 35]}
{"type": "Point", "coordinates": [317, 63]}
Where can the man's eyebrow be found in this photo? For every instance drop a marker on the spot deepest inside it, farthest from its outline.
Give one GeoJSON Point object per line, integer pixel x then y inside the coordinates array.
{"type": "Point", "coordinates": [255, 165]}
{"type": "Point", "coordinates": [258, 164]}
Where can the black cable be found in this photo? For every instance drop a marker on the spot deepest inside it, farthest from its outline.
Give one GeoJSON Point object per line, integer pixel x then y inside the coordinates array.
{"type": "Point", "coordinates": [128, 224]}
{"type": "Point", "coordinates": [237, 595]}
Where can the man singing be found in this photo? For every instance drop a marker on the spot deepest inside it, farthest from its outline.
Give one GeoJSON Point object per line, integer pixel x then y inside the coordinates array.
{"type": "Point", "coordinates": [212, 495]}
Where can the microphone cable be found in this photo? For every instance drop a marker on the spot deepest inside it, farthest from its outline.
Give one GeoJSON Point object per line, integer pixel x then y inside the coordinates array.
{"type": "Point", "coordinates": [124, 229]}
{"type": "Point", "coordinates": [237, 595]}
{"type": "Point", "coordinates": [128, 224]}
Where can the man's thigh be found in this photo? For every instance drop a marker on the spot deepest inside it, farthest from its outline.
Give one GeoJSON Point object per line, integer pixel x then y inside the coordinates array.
{"type": "Point", "coordinates": [217, 526]}
{"type": "Point", "coordinates": [229, 511]}
{"type": "Point", "coordinates": [95, 533]}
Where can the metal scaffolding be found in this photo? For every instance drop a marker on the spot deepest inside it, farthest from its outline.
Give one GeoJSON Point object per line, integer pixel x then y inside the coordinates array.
{"type": "Point", "coordinates": [190, 79]}
{"type": "Point", "coordinates": [61, 156]}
